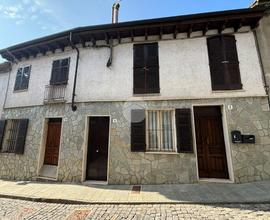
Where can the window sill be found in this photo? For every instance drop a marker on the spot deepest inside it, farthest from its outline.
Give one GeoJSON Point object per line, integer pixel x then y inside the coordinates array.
{"type": "Point", "coordinates": [146, 94]}
{"type": "Point", "coordinates": [20, 90]}
{"type": "Point", "coordinates": [228, 91]}
{"type": "Point", "coordinates": [161, 152]}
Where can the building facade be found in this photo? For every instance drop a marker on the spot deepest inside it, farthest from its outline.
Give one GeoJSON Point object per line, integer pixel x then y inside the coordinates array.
{"type": "Point", "coordinates": [173, 100]}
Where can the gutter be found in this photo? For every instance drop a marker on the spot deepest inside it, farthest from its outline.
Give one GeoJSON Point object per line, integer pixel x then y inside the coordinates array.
{"type": "Point", "coordinates": [266, 86]}
{"type": "Point", "coordinates": [73, 106]}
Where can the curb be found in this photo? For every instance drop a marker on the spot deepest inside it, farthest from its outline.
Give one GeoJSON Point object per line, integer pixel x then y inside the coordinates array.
{"type": "Point", "coordinates": [79, 202]}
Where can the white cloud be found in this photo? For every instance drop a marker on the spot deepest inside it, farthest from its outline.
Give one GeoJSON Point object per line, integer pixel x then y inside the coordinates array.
{"type": "Point", "coordinates": [27, 11]}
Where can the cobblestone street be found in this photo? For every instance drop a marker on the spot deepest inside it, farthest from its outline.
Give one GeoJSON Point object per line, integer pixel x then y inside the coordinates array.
{"type": "Point", "coordinates": [19, 209]}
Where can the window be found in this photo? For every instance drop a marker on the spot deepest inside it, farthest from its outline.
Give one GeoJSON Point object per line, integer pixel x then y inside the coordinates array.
{"type": "Point", "coordinates": [22, 78]}
{"type": "Point", "coordinates": [146, 69]}
{"type": "Point", "coordinates": [224, 64]}
{"type": "Point", "coordinates": [160, 131]}
{"type": "Point", "coordinates": [12, 135]}
{"type": "Point", "coordinates": [60, 70]}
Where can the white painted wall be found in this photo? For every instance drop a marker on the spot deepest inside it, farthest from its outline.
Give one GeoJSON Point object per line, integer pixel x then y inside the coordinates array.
{"type": "Point", "coordinates": [184, 73]}
{"type": "Point", "coordinates": [3, 88]}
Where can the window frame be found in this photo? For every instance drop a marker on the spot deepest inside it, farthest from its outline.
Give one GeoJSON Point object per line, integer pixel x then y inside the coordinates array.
{"type": "Point", "coordinates": [159, 126]}
{"type": "Point", "coordinates": [7, 134]}
{"type": "Point", "coordinates": [146, 90]}
{"type": "Point", "coordinates": [52, 72]}
{"type": "Point", "coordinates": [20, 89]}
{"type": "Point", "coordinates": [228, 85]}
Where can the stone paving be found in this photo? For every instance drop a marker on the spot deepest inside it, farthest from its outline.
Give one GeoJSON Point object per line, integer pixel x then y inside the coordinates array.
{"type": "Point", "coordinates": [19, 209]}
{"type": "Point", "coordinates": [257, 192]}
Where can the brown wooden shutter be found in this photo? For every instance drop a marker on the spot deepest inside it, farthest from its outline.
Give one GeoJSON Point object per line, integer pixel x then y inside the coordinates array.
{"type": "Point", "coordinates": [21, 136]}
{"type": "Point", "coordinates": [232, 62]}
{"type": "Point", "coordinates": [217, 67]}
{"type": "Point", "coordinates": [2, 131]}
{"type": "Point", "coordinates": [138, 143]}
{"type": "Point", "coordinates": [224, 64]}
{"type": "Point", "coordinates": [184, 131]}
{"type": "Point", "coordinates": [146, 69]}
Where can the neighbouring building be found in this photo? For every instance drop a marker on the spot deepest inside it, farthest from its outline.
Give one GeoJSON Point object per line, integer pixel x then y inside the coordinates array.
{"type": "Point", "coordinates": [4, 76]}
{"type": "Point", "coordinates": [169, 100]}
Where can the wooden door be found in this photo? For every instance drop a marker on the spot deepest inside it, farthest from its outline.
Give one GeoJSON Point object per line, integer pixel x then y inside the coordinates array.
{"type": "Point", "coordinates": [211, 152]}
{"type": "Point", "coordinates": [97, 156]}
{"type": "Point", "coordinates": [53, 142]}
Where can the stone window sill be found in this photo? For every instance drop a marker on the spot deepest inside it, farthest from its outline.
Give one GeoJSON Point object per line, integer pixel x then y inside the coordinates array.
{"type": "Point", "coordinates": [161, 152]}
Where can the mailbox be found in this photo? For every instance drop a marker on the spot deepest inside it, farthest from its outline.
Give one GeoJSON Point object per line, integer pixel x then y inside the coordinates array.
{"type": "Point", "coordinates": [249, 139]}
{"type": "Point", "coordinates": [236, 137]}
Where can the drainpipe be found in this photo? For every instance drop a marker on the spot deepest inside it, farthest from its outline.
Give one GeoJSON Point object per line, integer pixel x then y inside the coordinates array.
{"type": "Point", "coordinates": [73, 106]}
{"type": "Point", "coordinates": [266, 87]}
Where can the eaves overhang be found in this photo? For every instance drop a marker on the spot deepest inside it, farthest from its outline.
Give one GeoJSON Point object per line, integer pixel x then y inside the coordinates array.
{"type": "Point", "coordinates": [169, 25]}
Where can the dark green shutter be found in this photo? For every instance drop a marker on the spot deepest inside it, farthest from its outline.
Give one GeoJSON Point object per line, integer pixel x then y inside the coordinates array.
{"type": "Point", "coordinates": [2, 131]}
{"type": "Point", "coordinates": [184, 131]}
{"type": "Point", "coordinates": [21, 136]}
{"type": "Point", "coordinates": [138, 136]}
{"type": "Point", "coordinates": [18, 79]}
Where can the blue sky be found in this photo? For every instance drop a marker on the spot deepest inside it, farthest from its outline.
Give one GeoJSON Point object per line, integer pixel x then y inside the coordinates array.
{"type": "Point", "coordinates": [23, 20]}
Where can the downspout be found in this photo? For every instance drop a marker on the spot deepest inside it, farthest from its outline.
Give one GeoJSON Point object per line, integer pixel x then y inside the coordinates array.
{"type": "Point", "coordinates": [9, 72]}
{"type": "Point", "coordinates": [266, 86]}
{"type": "Point", "coordinates": [73, 106]}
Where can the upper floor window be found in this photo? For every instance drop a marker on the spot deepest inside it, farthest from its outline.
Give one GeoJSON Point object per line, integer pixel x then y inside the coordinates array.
{"type": "Point", "coordinates": [146, 69]}
{"type": "Point", "coordinates": [22, 78]}
{"type": "Point", "coordinates": [60, 70]}
{"type": "Point", "coordinates": [224, 64]}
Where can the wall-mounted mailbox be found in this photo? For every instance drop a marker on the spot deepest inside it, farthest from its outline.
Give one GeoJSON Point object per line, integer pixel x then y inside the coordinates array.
{"type": "Point", "coordinates": [238, 138]}
{"type": "Point", "coordinates": [249, 139]}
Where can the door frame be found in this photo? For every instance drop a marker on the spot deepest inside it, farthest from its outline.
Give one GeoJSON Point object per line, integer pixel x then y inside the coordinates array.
{"type": "Point", "coordinates": [43, 141]}
{"type": "Point", "coordinates": [226, 142]}
{"type": "Point", "coordinates": [85, 149]}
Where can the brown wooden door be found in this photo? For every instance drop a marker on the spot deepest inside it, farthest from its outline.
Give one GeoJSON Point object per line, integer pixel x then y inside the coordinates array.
{"type": "Point", "coordinates": [211, 152]}
{"type": "Point", "coordinates": [53, 142]}
{"type": "Point", "coordinates": [97, 156]}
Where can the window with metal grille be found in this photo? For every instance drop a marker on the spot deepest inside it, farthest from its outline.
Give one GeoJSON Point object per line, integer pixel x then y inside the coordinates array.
{"type": "Point", "coordinates": [160, 130]}
{"type": "Point", "coordinates": [10, 136]}
{"type": "Point", "coordinates": [22, 78]}
{"type": "Point", "coordinates": [60, 70]}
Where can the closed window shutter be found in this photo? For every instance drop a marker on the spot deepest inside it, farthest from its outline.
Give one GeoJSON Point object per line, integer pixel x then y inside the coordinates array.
{"type": "Point", "coordinates": [2, 131]}
{"type": "Point", "coordinates": [217, 67]}
{"type": "Point", "coordinates": [232, 65]}
{"type": "Point", "coordinates": [18, 79]}
{"type": "Point", "coordinates": [184, 131]}
{"type": "Point", "coordinates": [146, 69]}
{"type": "Point", "coordinates": [224, 64]}
{"type": "Point", "coordinates": [138, 136]}
{"type": "Point", "coordinates": [21, 136]}
{"type": "Point", "coordinates": [60, 71]}
{"type": "Point", "coordinates": [25, 77]}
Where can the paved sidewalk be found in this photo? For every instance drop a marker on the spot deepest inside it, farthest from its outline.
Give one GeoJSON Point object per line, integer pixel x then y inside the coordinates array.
{"type": "Point", "coordinates": [203, 193]}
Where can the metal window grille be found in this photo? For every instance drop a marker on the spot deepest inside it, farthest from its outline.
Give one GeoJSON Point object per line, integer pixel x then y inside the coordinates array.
{"type": "Point", "coordinates": [161, 131]}
{"type": "Point", "coordinates": [10, 136]}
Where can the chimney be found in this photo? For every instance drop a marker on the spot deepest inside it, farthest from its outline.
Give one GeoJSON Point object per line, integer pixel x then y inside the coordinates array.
{"type": "Point", "coordinates": [260, 3]}
{"type": "Point", "coordinates": [115, 12]}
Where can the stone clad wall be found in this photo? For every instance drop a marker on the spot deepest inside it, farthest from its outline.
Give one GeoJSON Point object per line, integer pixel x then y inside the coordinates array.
{"type": "Point", "coordinates": [250, 161]}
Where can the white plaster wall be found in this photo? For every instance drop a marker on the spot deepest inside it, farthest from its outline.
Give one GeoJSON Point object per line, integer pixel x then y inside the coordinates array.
{"type": "Point", "coordinates": [40, 77]}
{"type": "Point", "coordinates": [3, 88]}
{"type": "Point", "coordinates": [184, 73]}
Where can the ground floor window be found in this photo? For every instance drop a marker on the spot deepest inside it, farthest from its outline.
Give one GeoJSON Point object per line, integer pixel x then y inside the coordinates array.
{"type": "Point", "coordinates": [10, 136]}
{"type": "Point", "coordinates": [160, 132]}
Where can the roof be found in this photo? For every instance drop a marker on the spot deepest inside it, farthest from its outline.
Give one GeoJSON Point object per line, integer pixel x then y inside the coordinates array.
{"type": "Point", "coordinates": [5, 67]}
{"type": "Point", "coordinates": [168, 25]}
